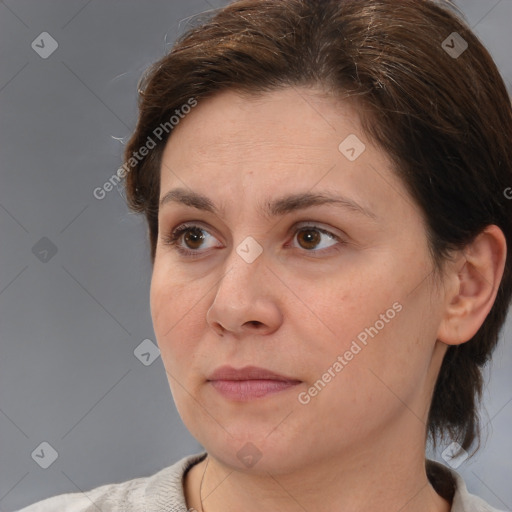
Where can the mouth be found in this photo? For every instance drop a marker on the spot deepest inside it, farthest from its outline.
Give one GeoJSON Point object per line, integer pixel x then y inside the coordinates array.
{"type": "Point", "coordinates": [249, 383]}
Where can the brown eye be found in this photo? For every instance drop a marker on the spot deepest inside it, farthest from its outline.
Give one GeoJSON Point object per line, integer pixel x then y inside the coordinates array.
{"type": "Point", "coordinates": [315, 240]}
{"type": "Point", "coordinates": [190, 240]}
{"type": "Point", "coordinates": [310, 238]}
{"type": "Point", "coordinates": [193, 237]}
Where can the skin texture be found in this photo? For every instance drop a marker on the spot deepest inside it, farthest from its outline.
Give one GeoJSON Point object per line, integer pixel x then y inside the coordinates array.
{"type": "Point", "coordinates": [359, 443]}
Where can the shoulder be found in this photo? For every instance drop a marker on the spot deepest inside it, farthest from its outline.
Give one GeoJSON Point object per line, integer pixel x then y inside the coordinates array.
{"type": "Point", "coordinates": [449, 484]}
{"type": "Point", "coordinates": [145, 493]}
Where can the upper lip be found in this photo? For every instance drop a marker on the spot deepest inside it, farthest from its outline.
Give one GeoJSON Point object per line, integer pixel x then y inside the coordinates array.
{"type": "Point", "coordinates": [247, 373]}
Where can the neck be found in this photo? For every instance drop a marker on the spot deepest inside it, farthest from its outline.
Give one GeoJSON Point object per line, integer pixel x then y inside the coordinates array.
{"type": "Point", "coordinates": [395, 479]}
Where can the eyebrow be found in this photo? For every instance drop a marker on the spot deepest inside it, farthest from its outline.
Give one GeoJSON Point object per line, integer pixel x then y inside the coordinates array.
{"type": "Point", "coordinates": [274, 208]}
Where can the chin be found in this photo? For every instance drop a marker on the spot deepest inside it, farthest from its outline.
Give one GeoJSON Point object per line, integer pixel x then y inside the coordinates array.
{"type": "Point", "coordinates": [256, 453]}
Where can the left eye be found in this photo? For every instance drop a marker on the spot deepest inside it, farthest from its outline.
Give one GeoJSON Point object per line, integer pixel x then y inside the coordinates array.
{"type": "Point", "coordinates": [310, 236]}
{"type": "Point", "coordinates": [194, 236]}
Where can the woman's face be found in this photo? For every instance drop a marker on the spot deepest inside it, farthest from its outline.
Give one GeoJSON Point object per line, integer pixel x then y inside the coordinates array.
{"type": "Point", "coordinates": [336, 296]}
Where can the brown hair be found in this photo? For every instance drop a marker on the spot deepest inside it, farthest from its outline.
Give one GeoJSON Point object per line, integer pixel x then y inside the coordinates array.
{"type": "Point", "coordinates": [444, 119]}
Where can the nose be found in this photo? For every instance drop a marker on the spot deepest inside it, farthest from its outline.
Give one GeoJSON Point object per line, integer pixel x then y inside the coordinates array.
{"type": "Point", "coordinates": [246, 300]}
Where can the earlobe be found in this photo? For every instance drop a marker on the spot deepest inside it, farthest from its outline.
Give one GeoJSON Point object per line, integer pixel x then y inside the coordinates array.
{"type": "Point", "coordinates": [476, 275]}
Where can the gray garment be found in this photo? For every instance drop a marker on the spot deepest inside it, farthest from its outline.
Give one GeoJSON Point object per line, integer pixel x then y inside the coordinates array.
{"type": "Point", "coordinates": [163, 492]}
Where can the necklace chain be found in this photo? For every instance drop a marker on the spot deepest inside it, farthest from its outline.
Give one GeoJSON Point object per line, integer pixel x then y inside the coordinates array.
{"type": "Point", "coordinates": [201, 485]}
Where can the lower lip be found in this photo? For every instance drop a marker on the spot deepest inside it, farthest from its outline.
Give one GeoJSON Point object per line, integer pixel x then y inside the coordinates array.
{"type": "Point", "coordinates": [244, 390]}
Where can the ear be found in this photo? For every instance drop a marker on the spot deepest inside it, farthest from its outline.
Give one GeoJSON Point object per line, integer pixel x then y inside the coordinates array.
{"type": "Point", "coordinates": [474, 279]}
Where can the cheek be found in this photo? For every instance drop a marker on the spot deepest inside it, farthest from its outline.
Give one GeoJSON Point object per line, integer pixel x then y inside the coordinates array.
{"type": "Point", "coordinates": [385, 331]}
{"type": "Point", "coordinates": [172, 296]}
{"type": "Point", "coordinates": [161, 302]}
{"type": "Point", "coordinates": [375, 381]}
{"type": "Point", "coordinates": [176, 308]}
{"type": "Point", "coordinates": [395, 364]}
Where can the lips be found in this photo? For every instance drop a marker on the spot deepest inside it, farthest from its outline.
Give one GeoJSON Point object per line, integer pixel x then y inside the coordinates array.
{"type": "Point", "coordinates": [248, 373]}
{"type": "Point", "coordinates": [249, 383]}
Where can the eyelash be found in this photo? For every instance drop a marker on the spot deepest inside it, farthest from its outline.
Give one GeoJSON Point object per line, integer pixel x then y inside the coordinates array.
{"type": "Point", "coordinates": [173, 238]}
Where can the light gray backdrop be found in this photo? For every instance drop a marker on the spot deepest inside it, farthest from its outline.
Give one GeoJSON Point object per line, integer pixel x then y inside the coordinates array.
{"type": "Point", "coordinates": [75, 271]}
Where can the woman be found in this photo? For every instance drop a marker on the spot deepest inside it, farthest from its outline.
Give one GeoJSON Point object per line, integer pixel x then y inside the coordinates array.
{"type": "Point", "coordinates": [325, 185]}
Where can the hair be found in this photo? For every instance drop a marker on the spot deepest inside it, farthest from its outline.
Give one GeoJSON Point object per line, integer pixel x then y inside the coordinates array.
{"type": "Point", "coordinates": [445, 121]}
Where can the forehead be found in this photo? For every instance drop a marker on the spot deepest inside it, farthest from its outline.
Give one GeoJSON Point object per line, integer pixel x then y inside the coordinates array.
{"type": "Point", "coordinates": [241, 147]}
{"type": "Point", "coordinates": [288, 118]}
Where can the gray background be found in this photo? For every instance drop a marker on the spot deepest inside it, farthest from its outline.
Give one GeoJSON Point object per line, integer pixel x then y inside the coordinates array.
{"type": "Point", "coordinates": [69, 326]}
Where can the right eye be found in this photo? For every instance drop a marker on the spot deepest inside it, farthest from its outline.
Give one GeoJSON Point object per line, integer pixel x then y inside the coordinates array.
{"type": "Point", "coordinates": [193, 237]}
